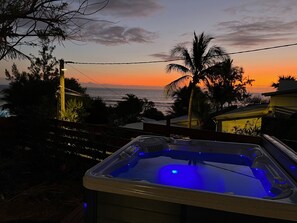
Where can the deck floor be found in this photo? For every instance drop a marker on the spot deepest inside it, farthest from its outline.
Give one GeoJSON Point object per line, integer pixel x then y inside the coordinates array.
{"type": "Point", "coordinates": [76, 216]}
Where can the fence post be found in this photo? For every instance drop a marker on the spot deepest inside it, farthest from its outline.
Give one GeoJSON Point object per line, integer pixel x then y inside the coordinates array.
{"type": "Point", "coordinates": [168, 126]}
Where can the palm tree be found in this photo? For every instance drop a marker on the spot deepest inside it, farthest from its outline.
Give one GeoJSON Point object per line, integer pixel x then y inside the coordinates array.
{"type": "Point", "coordinates": [197, 63]}
{"type": "Point", "coordinates": [289, 77]}
{"type": "Point", "coordinates": [200, 107]}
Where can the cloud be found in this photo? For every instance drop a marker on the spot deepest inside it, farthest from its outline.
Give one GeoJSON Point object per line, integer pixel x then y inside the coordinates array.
{"type": "Point", "coordinates": [132, 8]}
{"type": "Point", "coordinates": [271, 7]}
{"type": "Point", "coordinates": [109, 34]}
{"type": "Point", "coordinates": [252, 33]}
{"type": "Point", "coordinates": [258, 22]}
{"type": "Point", "coordinates": [164, 56]}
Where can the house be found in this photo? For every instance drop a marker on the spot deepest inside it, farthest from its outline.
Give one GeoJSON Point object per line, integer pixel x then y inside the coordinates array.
{"type": "Point", "coordinates": [283, 103]}
{"type": "Point", "coordinates": [248, 117]}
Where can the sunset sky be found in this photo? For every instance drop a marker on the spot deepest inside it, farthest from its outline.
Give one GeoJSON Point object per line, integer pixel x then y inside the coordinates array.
{"type": "Point", "coordinates": [148, 30]}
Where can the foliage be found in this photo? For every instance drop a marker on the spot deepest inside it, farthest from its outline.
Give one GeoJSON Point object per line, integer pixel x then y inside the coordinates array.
{"type": "Point", "coordinates": [97, 112]}
{"type": "Point", "coordinates": [153, 113]}
{"type": "Point", "coordinates": [129, 109]}
{"type": "Point", "coordinates": [45, 66]}
{"type": "Point", "coordinates": [249, 129]}
{"type": "Point", "coordinates": [21, 22]}
{"type": "Point", "coordinates": [201, 106]}
{"type": "Point", "coordinates": [181, 101]}
{"type": "Point", "coordinates": [197, 64]}
{"type": "Point", "coordinates": [34, 93]}
{"type": "Point", "coordinates": [226, 84]}
{"type": "Point", "coordinates": [280, 78]}
{"type": "Point", "coordinates": [27, 94]}
{"type": "Point", "coordinates": [150, 111]}
{"type": "Point", "coordinates": [256, 100]}
{"type": "Point", "coordinates": [132, 109]}
{"type": "Point", "coordinates": [74, 111]}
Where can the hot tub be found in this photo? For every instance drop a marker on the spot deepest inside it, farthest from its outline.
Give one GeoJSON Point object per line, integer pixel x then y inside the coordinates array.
{"type": "Point", "coordinates": [162, 179]}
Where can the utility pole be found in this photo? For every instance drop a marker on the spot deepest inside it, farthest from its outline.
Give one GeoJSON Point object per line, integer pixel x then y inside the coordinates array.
{"type": "Point", "coordinates": [62, 88]}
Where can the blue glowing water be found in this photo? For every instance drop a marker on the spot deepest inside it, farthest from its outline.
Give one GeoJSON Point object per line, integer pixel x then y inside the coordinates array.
{"type": "Point", "coordinates": [209, 176]}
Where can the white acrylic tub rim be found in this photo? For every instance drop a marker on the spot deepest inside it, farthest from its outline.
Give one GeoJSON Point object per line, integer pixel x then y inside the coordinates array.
{"type": "Point", "coordinates": [280, 209]}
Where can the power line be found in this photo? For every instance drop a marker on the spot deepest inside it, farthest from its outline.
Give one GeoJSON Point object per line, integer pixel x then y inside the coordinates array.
{"type": "Point", "coordinates": [122, 63]}
{"type": "Point", "coordinates": [265, 48]}
{"type": "Point", "coordinates": [176, 59]}
{"type": "Point", "coordinates": [94, 81]}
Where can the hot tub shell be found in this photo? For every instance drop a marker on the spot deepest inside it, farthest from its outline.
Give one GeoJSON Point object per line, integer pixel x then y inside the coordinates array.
{"type": "Point", "coordinates": [111, 198]}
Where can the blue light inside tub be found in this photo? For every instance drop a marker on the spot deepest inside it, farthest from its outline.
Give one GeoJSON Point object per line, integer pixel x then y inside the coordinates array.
{"type": "Point", "coordinates": [178, 175]}
{"type": "Point", "coordinates": [85, 205]}
{"type": "Point", "coordinates": [141, 154]}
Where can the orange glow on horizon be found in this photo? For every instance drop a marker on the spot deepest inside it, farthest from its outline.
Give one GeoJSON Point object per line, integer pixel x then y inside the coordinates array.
{"type": "Point", "coordinates": [263, 72]}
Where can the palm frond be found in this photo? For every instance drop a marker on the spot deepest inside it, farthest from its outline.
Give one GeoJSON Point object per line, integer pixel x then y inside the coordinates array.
{"type": "Point", "coordinates": [177, 67]}
{"type": "Point", "coordinates": [199, 49]}
{"type": "Point", "coordinates": [174, 85]}
{"type": "Point", "coordinates": [176, 51]}
{"type": "Point", "coordinates": [181, 52]}
{"type": "Point", "coordinates": [215, 55]}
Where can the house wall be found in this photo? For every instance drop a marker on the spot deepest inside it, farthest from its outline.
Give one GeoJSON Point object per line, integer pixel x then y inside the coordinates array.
{"type": "Point", "coordinates": [286, 100]}
{"type": "Point", "coordinates": [249, 124]}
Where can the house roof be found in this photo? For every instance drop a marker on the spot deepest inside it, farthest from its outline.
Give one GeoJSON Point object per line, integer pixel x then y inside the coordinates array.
{"type": "Point", "coordinates": [178, 121]}
{"type": "Point", "coordinates": [284, 87]}
{"type": "Point", "coordinates": [250, 111]}
{"type": "Point", "coordinates": [290, 91]}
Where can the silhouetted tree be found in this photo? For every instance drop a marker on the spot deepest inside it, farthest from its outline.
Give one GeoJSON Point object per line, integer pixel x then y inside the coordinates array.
{"type": "Point", "coordinates": [200, 107]}
{"type": "Point", "coordinates": [226, 84]}
{"type": "Point", "coordinates": [129, 109]}
{"type": "Point", "coordinates": [21, 22]}
{"type": "Point", "coordinates": [180, 105]}
{"type": "Point", "coordinates": [35, 92]}
{"type": "Point", "coordinates": [97, 112]}
{"type": "Point", "coordinates": [289, 77]}
{"type": "Point", "coordinates": [153, 113]}
{"type": "Point", "coordinates": [197, 63]}
{"type": "Point", "coordinates": [150, 111]}
{"type": "Point", "coordinates": [132, 109]}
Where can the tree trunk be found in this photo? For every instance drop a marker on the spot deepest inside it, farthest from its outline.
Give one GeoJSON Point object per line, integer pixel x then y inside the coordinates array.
{"type": "Point", "coordinates": [190, 109]}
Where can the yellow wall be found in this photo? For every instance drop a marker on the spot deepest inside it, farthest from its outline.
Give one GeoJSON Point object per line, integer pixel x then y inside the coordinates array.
{"type": "Point", "coordinates": [287, 100]}
{"type": "Point", "coordinates": [248, 123]}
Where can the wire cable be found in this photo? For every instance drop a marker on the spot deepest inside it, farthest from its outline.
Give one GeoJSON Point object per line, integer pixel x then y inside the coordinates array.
{"type": "Point", "coordinates": [94, 81]}
{"type": "Point", "coordinates": [176, 59]}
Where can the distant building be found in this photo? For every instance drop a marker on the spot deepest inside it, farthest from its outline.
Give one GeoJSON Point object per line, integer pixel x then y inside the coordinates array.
{"type": "Point", "coordinates": [241, 118]}
{"type": "Point", "coordinates": [283, 103]}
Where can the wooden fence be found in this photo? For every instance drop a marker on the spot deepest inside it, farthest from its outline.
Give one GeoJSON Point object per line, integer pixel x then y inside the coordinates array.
{"type": "Point", "coordinates": [95, 141]}
{"type": "Point", "coordinates": [197, 134]}
{"type": "Point", "coordinates": [85, 140]}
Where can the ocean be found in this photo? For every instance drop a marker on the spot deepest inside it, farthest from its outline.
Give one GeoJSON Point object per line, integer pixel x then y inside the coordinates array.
{"type": "Point", "coordinates": [113, 95]}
